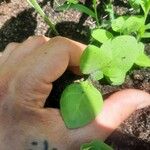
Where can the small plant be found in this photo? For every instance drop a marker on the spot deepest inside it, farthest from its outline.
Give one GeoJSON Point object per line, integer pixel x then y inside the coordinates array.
{"type": "Point", "coordinates": [118, 47]}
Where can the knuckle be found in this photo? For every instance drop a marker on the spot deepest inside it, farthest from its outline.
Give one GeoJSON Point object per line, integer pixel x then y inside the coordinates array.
{"type": "Point", "coordinates": [39, 39]}
{"type": "Point", "coordinates": [11, 45]}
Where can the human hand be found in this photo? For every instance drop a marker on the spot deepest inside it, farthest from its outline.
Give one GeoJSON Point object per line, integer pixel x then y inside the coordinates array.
{"type": "Point", "coordinates": [27, 71]}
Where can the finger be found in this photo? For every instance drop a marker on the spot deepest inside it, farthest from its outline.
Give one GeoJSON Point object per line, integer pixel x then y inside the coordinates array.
{"type": "Point", "coordinates": [44, 66]}
{"type": "Point", "coordinates": [117, 108]}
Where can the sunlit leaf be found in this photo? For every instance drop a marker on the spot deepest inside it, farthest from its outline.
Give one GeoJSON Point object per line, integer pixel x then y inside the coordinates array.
{"type": "Point", "coordinates": [118, 24]}
{"type": "Point", "coordinates": [146, 35]}
{"type": "Point", "coordinates": [79, 7]}
{"type": "Point", "coordinates": [142, 60]}
{"type": "Point", "coordinates": [90, 60]}
{"type": "Point", "coordinates": [145, 4]}
{"type": "Point", "coordinates": [80, 103]}
{"type": "Point", "coordinates": [101, 35]}
{"type": "Point", "coordinates": [72, 1]}
{"type": "Point", "coordinates": [96, 145]}
{"type": "Point", "coordinates": [128, 24]}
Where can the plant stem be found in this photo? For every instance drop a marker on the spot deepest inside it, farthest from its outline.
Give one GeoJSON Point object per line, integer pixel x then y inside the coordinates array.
{"type": "Point", "coordinates": [111, 10]}
{"type": "Point", "coordinates": [52, 26]}
{"type": "Point", "coordinates": [96, 15]}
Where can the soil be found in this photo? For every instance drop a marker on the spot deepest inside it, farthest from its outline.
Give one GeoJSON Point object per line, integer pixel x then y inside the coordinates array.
{"type": "Point", "coordinates": [18, 21]}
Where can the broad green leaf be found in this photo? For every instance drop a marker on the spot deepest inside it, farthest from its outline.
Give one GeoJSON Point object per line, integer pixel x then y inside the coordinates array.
{"type": "Point", "coordinates": [79, 7]}
{"type": "Point", "coordinates": [113, 59]}
{"type": "Point", "coordinates": [80, 103]}
{"type": "Point", "coordinates": [90, 60]}
{"type": "Point", "coordinates": [118, 24]}
{"type": "Point", "coordinates": [101, 35]}
{"type": "Point", "coordinates": [128, 24]}
{"type": "Point", "coordinates": [133, 24]}
{"type": "Point", "coordinates": [96, 145]}
{"type": "Point", "coordinates": [94, 59]}
{"type": "Point", "coordinates": [115, 75]}
{"type": "Point", "coordinates": [125, 51]}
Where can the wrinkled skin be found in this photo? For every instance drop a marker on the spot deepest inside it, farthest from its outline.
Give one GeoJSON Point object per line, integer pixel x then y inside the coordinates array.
{"type": "Point", "coordinates": [27, 71]}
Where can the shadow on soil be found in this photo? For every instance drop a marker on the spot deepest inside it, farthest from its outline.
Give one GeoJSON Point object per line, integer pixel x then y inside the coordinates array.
{"type": "Point", "coordinates": [18, 28]}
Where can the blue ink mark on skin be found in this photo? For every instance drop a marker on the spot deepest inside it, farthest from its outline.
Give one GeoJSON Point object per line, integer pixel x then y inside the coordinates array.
{"type": "Point", "coordinates": [45, 145]}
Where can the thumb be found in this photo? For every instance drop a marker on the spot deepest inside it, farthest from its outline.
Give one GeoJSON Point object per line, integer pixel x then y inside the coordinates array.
{"type": "Point", "coordinates": [117, 108]}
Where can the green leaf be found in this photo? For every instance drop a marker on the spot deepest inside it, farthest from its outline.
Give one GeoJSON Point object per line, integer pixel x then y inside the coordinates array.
{"type": "Point", "coordinates": [135, 4]}
{"type": "Point", "coordinates": [37, 7]}
{"type": "Point", "coordinates": [90, 60]}
{"type": "Point", "coordinates": [79, 7]}
{"type": "Point", "coordinates": [101, 35]}
{"type": "Point", "coordinates": [94, 59]}
{"type": "Point", "coordinates": [125, 51]}
{"type": "Point", "coordinates": [133, 24]}
{"type": "Point", "coordinates": [118, 24]}
{"type": "Point", "coordinates": [96, 145]}
{"type": "Point", "coordinates": [113, 59]}
{"type": "Point", "coordinates": [72, 1]}
{"type": "Point", "coordinates": [128, 24]}
{"type": "Point", "coordinates": [80, 103]}
{"type": "Point", "coordinates": [142, 60]}
{"type": "Point", "coordinates": [145, 4]}
{"type": "Point", "coordinates": [147, 26]}
{"type": "Point", "coordinates": [115, 75]}
{"type": "Point", "coordinates": [146, 35]}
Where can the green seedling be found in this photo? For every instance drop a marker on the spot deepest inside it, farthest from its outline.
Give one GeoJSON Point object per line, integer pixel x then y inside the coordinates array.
{"type": "Point", "coordinates": [114, 58]}
{"type": "Point", "coordinates": [80, 103]}
{"type": "Point", "coordinates": [96, 145]}
{"type": "Point", "coordinates": [37, 7]}
{"type": "Point", "coordinates": [134, 24]}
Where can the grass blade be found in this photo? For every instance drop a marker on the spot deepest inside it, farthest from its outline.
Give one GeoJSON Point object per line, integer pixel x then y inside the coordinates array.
{"type": "Point", "coordinates": [78, 7]}
{"type": "Point", "coordinates": [37, 7]}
